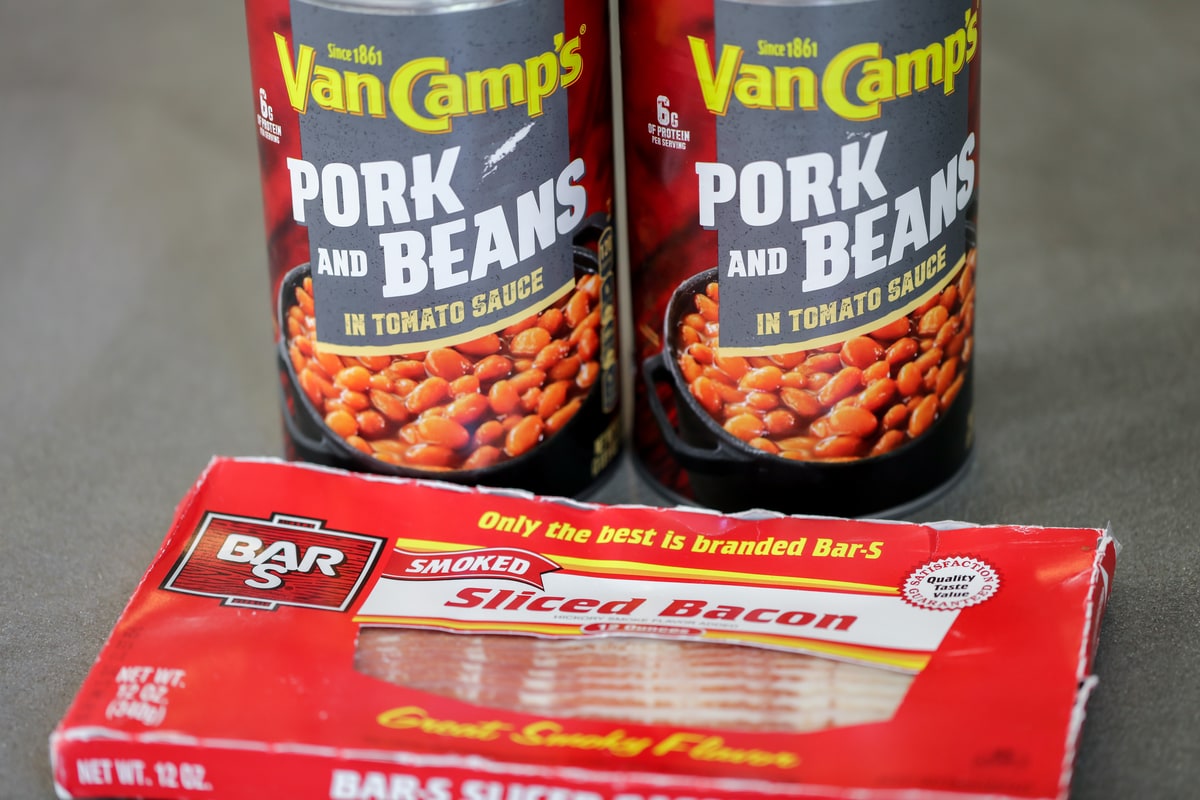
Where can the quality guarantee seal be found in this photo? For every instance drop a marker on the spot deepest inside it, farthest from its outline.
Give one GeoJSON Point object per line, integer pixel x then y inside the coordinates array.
{"type": "Point", "coordinates": [952, 583]}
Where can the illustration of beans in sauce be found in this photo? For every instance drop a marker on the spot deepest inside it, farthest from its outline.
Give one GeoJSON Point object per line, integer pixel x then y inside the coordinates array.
{"type": "Point", "coordinates": [469, 406]}
{"type": "Point", "coordinates": [863, 397]}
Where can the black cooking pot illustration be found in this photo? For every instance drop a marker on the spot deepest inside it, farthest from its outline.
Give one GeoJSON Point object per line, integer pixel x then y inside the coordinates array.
{"type": "Point", "coordinates": [730, 475]}
{"type": "Point", "coordinates": [550, 467]}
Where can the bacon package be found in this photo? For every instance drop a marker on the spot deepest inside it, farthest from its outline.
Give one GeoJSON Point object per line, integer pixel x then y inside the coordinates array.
{"type": "Point", "coordinates": [311, 633]}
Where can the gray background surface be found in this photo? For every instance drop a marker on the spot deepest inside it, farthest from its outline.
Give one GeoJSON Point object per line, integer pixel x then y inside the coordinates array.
{"type": "Point", "coordinates": [136, 332]}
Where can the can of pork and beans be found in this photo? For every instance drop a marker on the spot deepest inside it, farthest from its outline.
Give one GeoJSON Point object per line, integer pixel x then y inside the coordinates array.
{"type": "Point", "coordinates": [802, 181]}
{"type": "Point", "coordinates": [438, 188]}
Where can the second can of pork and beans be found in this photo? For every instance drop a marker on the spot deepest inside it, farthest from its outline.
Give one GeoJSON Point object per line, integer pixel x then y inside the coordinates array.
{"type": "Point", "coordinates": [438, 185]}
{"type": "Point", "coordinates": [802, 181]}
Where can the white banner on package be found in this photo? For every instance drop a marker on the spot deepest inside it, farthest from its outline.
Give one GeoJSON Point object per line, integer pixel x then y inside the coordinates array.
{"type": "Point", "coordinates": [641, 607]}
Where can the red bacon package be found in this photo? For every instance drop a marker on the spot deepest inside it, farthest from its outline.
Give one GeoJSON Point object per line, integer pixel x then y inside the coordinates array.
{"type": "Point", "coordinates": [311, 633]}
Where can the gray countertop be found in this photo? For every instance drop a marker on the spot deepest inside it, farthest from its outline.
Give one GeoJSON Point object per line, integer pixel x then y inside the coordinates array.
{"type": "Point", "coordinates": [137, 336]}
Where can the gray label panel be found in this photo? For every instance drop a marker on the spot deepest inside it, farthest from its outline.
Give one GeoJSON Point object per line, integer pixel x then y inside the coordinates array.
{"type": "Point", "coordinates": [827, 225]}
{"type": "Point", "coordinates": [424, 238]}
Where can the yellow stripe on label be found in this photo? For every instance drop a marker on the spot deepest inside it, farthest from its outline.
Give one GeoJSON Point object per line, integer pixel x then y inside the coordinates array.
{"type": "Point", "coordinates": [636, 569]}
{"type": "Point", "coordinates": [907, 661]}
{"type": "Point", "coordinates": [476, 627]}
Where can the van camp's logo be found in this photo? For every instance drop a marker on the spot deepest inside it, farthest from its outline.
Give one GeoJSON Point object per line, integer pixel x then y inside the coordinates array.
{"type": "Point", "coordinates": [284, 560]}
{"type": "Point", "coordinates": [424, 93]}
{"type": "Point", "coordinates": [854, 84]}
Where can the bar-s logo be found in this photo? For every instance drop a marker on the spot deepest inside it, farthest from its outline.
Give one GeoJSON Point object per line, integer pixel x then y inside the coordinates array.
{"type": "Point", "coordinates": [284, 560]}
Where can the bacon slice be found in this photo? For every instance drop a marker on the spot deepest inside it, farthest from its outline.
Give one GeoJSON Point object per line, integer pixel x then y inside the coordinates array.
{"type": "Point", "coordinates": [635, 680]}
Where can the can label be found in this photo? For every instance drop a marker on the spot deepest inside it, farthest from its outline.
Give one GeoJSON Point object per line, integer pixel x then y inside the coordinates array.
{"type": "Point", "coordinates": [808, 297]}
{"type": "Point", "coordinates": [438, 189]}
